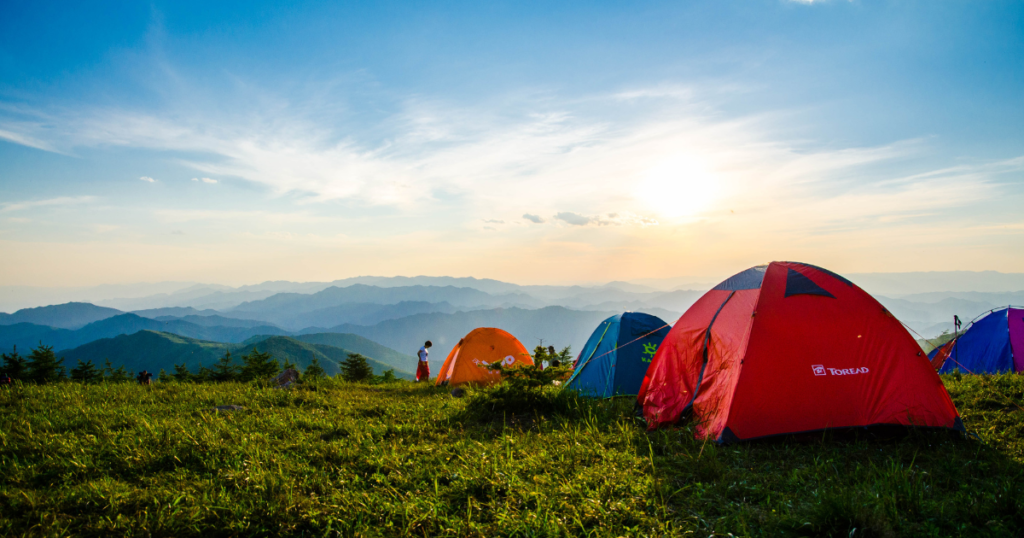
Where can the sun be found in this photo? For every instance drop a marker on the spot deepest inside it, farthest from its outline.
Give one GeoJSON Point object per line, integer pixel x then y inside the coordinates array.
{"type": "Point", "coordinates": [681, 186]}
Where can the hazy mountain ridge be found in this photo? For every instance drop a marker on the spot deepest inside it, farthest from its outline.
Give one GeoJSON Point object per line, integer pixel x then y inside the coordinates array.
{"type": "Point", "coordinates": [362, 314]}
{"type": "Point", "coordinates": [62, 316]}
{"type": "Point", "coordinates": [555, 325]}
{"type": "Point", "coordinates": [27, 336]}
{"type": "Point", "coordinates": [284, 304]}
{"type": "Point", "coordinates": [215, 320]}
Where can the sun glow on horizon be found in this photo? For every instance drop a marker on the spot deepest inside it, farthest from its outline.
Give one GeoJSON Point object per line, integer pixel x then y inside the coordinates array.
{"type": "Point", "coordinates": [681, 186]}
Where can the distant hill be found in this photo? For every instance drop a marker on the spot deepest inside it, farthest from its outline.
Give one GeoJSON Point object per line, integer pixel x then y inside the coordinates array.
{"type": "Point", "coordinates": [153, 351]}
{"type": "Point", "coordinates": [29, 335]}
{"type": "Point", "coordinates": [930, 314]}
{"type": "Point", "coordinates": [900, 284]}
{"type": "Point", "coordinates": [302, 353]}
{"type": "Point", "coordinates": [365, 346]}
{"type": "Point", "coordinates": [148, 350]}
{"type": "Point", "coordinates": [61, 316]}
{"type": "Point", "coordinates": [215, 321]}
{"type": "Point", "coordinates": [175, 311]}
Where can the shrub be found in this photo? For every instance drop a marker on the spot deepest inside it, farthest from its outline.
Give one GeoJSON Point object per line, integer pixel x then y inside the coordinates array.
{"type": "Point", "coordinates": [224, 370]}
{"type": "Point", "coordinates": [314, 370]}
{"type": "Point", "coordinates": [525, 390]}
{"type": "Point", "coordinates": [258, 366]}
{"type": "Point", "coordinates": [44, 366]}
{"type": "Point", "coordinates": [14, 364]}
{"type": "Point", "coordinates": [86, 372]}
{"type": "Point", "coordinates": [356, 368]}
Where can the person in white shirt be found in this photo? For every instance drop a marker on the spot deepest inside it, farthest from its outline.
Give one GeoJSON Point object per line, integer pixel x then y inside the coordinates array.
{"type": "Point", "coordinates": [423, 368]}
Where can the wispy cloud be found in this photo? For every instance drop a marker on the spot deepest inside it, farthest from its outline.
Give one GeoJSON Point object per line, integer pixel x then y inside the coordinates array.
{"type": "Point", "coordinates": [25, 140]}
{"type": "Point", "coordinates": [564, 158]}
{"type": "Point", "coordinates": [147, 179]}
{"type": "Point", "coordinates": [50, 202]}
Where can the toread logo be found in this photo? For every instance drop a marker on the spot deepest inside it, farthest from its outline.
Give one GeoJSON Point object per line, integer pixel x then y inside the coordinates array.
{"type": "Point", "coordinates": [820, 369]}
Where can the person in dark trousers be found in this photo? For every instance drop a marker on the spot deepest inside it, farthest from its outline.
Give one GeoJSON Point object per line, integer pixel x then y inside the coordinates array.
{"type": "Point", "coordinates": [5, 380]}
{"type": "Point", "coordinates": [423, 366]}
{"type": "Point", "coordinates": [145, 378]}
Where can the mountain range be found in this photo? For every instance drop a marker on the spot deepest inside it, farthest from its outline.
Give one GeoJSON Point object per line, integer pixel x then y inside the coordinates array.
{"type": "Point", "coordinates": [401, 312]}
{"type": "Point", "coordinates": [28, 335]}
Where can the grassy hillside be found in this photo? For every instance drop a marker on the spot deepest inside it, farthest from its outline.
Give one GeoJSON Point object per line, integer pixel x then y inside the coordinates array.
{"type": "Point", "coordinates": [358, 344]}
{"type": "Point", "coordinates": [352, 460]}
{"type": "Point", "coordinates": [302, 353]}
{"type": "Point", "coordinates": [150, 350]}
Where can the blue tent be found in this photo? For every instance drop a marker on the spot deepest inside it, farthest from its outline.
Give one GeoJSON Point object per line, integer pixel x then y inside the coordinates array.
{"type": "Point", "coordinates": [991, 345]}
{"type": "Point", "coordinates": [617, 355]}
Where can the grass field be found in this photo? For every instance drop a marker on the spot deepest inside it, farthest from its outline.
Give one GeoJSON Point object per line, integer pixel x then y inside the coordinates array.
{"type": "Point", "coordinates": [400, 459]}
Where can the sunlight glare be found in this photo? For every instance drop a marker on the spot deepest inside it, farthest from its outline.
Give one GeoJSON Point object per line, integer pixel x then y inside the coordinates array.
{"type": "Point", "coordinates": [681, 186]}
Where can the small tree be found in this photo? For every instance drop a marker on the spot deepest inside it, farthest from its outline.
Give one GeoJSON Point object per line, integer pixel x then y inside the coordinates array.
{"type": "Point", "coordinates": [225, 370]}
{"type": "Point", "coordinates": [563, 357]}
{"type": "Point", "coordinates": [289, 365]}
{"type": "Point", "coordinates": [540, 354]}
{"type": "Point", "coordinates": [108, 370]}
{"type": "Point", "coordinates": [258, 366]}
{"type": "Point", "coordinates": [44, 366]}
{"type": "Point", "coordinates": [314, 370]}
{"type": "Point", "coordinates": [120, 375]}
{"type": "Point", "coordinates": [388, 376]}
{"type": "Point", "coordinates": [356, 368]}
{"type": "Point", "coordinates": [203, 375]}
{"type": "Point", "coordinates": [86, 372]}
{"type": "Point", "coordinates": [14, 364]}
{"type": "Point", "coordinates": [162, 376]}
{"type": "Point", "coordinates": [181, 373]}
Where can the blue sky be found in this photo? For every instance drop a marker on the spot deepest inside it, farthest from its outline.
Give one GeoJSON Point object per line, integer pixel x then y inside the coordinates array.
{"type": "Point", "coordinates": [529, 142]}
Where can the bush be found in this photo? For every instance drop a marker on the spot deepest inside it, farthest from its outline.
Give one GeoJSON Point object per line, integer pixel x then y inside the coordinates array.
{"type": "Point", "coordinates": [44, 366]}
{"type": "Point", "coordinates": [258, 366]}
{"type": "Point", "coordinates": [314, 370]}
{"type": "Point", "coordinates": [525, 390]}
{"type": "Point", "coordinates": [356, 368]}
{"type": "Point", "coordinates": [86, 372]}
{"type": "Point", "coordinates": [14, 364]}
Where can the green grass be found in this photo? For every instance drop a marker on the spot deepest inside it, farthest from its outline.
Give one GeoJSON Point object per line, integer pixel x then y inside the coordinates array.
{"type": "Point", "coordinates": [402, 459]}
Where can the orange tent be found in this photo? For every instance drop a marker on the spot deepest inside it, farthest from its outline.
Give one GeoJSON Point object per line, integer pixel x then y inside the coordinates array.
{"type": "Point", "coordinates": [468, 360]}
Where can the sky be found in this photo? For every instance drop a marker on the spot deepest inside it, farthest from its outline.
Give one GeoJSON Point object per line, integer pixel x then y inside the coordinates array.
{"type": "Point", "coordinates": [532, 142]}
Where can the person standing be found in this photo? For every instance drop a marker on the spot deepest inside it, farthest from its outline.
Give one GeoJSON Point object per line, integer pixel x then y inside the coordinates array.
{"type": "Point", "coordinates": [423, 366]}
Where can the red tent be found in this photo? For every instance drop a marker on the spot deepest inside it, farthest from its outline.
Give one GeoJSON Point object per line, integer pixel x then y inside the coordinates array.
{"type": "Point", "coordinates": [786, 348]}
